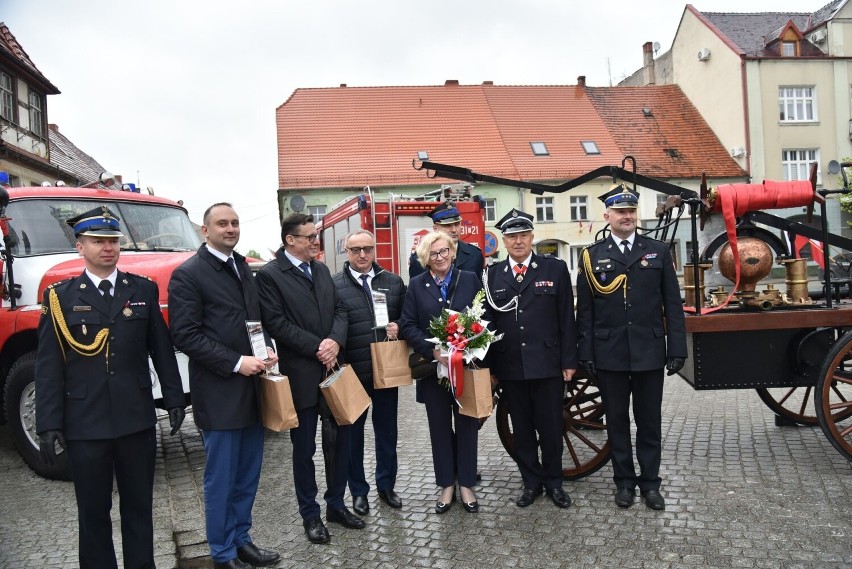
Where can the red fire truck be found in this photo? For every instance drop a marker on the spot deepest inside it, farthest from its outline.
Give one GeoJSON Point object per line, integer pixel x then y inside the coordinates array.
{"type": "Point", "coordinates": [398, 222]}
{"type": "Point", "coordinates": [38, 249]}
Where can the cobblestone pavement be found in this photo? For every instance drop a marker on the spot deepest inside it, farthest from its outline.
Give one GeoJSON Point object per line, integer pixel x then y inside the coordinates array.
{"type": "Point", "coordinates": [741, 492]}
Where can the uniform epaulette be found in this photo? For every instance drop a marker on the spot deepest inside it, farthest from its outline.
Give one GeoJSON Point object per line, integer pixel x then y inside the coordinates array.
{"type": "Point", "coordinates": [146, 277]}
{"type": "Point", "coordinates": [59, 283]}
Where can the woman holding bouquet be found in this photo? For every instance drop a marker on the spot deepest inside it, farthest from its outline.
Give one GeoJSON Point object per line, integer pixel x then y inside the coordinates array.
{"type": "Point", "coordinates": [438, 288]}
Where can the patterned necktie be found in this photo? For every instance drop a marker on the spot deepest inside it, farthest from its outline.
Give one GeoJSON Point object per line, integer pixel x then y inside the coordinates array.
{"type": "Point", "coordinates": [233, 266]}
{"type": "Point", "coordinates": [625, 246]}
{"type": "Point", "coordinates": [443, 285]}
{"type": "Point", "coordinates": [306, 268]}
{"type": "Point", "coordinates": [105, 287]}
{"type": "Point", "coordinates": [367, 290]}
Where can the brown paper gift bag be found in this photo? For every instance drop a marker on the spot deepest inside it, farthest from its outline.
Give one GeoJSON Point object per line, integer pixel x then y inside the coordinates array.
{"type": "Point", "coordinates": [390, 364]}
{"type": "Point", "coordinates": [345, 395]}
{"type": "Point", "coordinates": [476, 400]}
{"type": "Point", "coordinates": [276, 403]}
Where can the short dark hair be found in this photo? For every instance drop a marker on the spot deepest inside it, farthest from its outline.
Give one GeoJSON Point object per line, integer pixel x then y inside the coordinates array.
{"type": "Point", "coordinates": [291, 222]}
{"type": "Point", "coordinates": [207, 211]}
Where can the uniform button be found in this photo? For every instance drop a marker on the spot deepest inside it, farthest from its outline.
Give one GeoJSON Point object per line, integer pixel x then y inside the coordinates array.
{"type": "Point", "coordinates": [112, 355]}
{"type": "Point", "coordinates": [523, 344]}
{"type": "Point", "coordinates": [630, 323]}
{"type": "Point", "coordinates": [522, 327]}
{"type": "Point", "coordinates": [112, 338]}
{"type": "Point", "coordinates": [112, 373]}
{"type": "Point", "coordinates": [520, 311]}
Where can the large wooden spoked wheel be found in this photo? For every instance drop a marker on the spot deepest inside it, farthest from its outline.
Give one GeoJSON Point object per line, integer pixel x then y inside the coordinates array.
{"type": "Point", "coordinates": [806, 356]}
{"type": "Point", "coordinates": [833, 396]}
{"type": "Point", "coordinates": [584, 428]}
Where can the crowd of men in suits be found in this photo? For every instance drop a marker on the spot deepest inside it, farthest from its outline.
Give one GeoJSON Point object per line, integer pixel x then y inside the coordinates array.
{"type": "Point", "coordinates": [98, 329]}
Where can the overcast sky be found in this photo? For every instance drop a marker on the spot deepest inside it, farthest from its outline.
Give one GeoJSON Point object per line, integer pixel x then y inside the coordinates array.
{"type": "Point", "coordinates": [181, 95]}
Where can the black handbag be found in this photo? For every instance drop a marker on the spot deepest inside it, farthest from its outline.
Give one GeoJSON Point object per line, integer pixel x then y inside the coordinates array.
{"type": "Point", "coordinates": [421, 367]}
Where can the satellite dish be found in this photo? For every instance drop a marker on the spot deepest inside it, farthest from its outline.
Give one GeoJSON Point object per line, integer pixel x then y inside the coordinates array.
{"type": "Point", "coordinates": [297, 203]}
{"type": "Point", "coordinates": [656, 46]}
{"type": "Point", "coordinates": [834, 167]}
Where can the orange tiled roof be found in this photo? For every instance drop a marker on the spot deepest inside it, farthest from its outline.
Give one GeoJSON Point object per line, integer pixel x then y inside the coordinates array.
{"type": "Point", "coordinates": [352, 137]}
{"type": "Point", "coordinates": [674, 141]}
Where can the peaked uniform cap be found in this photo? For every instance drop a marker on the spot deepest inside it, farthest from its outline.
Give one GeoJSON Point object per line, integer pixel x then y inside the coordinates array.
{"type": "Point", "coordinates": [97, 222]}
{"type": "Point", "coordinates": [516, 221]}
{"type": "Point", "coordinates": [620, 196]}
{"type": "Point", "coordinates": [445, 214]}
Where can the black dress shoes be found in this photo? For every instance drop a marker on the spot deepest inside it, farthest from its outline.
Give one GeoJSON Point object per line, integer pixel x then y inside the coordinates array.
{"type": "Point", "coordinates": [360, 505]}
{"type": "Point", "coordinates": [654, 500]}
{"type": "Point", "coordinates": [624, 497]}
{"type": "Point", "coordinates": [528, 497]}
{"type": "Point", "coordinates": [316, 532]}
{"type": "Point", "coordinates": [470, 507]}
{"type": "Point", "coordinates": [253, 555]}
{"type": "Point", "coordinates": [442, 507]}
{"type": "Point", "coordinates": [232, 564]}
{"type": "Point", "coordinates": [559, 497]}
{"type": "Point", "coordinates": [390, 498]}
{"type": "Point", "coordinates": [345, 518]}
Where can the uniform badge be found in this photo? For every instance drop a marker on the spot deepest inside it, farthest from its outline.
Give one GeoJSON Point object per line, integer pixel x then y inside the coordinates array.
{"type": "Point", "coordinates": [603, 276]}
{"type": "Point", "coordinates": [44, 309]}
{"type": "Point", "coordinates": [644, 262]}
{"type": "Point", "coordinates": [127, 312]}
{"type": "Point", "coordinates": [85, 330]}
{"type": "Point", "coordinates": [534, 265]}
{"type": "Point", "coordinates": [82, 285]}
{"type": "Point", "coordinates": [124, 281]}
{"type": "Point", "coordinates": [519, 278]}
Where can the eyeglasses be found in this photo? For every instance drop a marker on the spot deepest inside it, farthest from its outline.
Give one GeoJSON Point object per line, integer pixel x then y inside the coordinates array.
{"type": "Point", "coordinates": [312, 237]}
{"type": "Point", "coordinates": [439, 253]}
{"type": "Point", "coordinates": [357, 250]}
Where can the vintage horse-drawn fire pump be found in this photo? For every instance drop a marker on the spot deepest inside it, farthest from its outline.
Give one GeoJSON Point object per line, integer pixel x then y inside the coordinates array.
{"type": "Point", "coordinates": [795, 351]}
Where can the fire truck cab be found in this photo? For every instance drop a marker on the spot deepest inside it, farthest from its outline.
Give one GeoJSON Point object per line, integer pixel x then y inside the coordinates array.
{"type": "Point", "coordinates": [38, 249]}
{"type": "Point", "coordinates": [398, 222]}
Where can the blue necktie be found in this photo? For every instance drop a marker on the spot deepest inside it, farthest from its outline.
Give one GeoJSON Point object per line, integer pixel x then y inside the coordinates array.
{"type": "Point", "coordinates": [367, 289]}
{"type": "Point", "coordinates": [306, 268]}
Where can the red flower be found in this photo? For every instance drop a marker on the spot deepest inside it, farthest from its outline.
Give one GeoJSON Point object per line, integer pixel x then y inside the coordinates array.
{"type": "Point", "coordinates": [476, 327]}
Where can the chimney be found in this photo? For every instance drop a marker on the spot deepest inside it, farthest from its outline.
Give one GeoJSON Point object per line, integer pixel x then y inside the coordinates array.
{"type": "Point", "coordinates": [581, 81]}
{"type": "Point", "coordinates": [488, 82]}
{"type": "Point", "coordinates": [648, 71]}
{"type": "Point", "coordinates": [451, 83]}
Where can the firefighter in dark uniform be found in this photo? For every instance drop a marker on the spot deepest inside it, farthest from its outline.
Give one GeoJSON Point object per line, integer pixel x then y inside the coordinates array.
{"type": "Point", "coordinates": [631, 326]}
{"type": "Point", "coordinates": [531, 302]}
{"type": "Point", "coordinates": [447, 219]}
{"type": "Point", "coordinates": [93, 391]}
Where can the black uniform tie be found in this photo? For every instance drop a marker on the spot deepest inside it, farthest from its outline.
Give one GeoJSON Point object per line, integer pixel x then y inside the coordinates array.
{"type": "Point", "coordinates": [233, 266]}
{"type": "Point", "coordinates": [625, 245]}
{"type": "Point", "coordinates": [105, 287]}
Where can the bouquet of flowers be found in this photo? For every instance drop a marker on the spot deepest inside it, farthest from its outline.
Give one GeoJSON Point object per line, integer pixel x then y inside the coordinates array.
{"type": "Point", "coordinates": [463, 337]}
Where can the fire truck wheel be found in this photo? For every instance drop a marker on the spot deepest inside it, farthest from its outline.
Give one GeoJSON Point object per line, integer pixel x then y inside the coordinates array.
{"type": "Point", "coordinates": [21, 414]}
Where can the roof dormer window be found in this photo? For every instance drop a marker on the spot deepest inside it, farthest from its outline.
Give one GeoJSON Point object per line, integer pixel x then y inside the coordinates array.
{"type": "Point", "coordinates": [789, 48]}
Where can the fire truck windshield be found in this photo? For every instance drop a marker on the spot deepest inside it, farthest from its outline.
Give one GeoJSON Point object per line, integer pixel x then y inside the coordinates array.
{"type": "Point", "coordinates": [37, 226]}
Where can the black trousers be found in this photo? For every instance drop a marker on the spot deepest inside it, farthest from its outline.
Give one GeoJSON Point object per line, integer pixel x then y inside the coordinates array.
{"type": "Point", "coordinates": [535, 406]}
{"type": "Point", "coordinates": [93, 463]}
{"type": "Point", "coordinates": [646, 388]}
{"type": "Point", "coordinates": [452, 462]}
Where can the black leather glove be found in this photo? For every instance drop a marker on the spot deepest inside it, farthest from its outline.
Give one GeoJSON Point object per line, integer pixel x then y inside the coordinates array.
{"type": "Point", "coordinates": [590, 368]}
{"type": "Point", "coordinates": [176, 416]}
{"type": "Point", "coordinates": [47, 445]}
{"type": "Point", "coordinates": [673, 365]}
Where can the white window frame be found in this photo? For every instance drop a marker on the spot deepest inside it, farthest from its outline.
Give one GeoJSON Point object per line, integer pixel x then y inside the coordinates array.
{"type": "Point", "coordinates": [797, 104]}
{"type": "Point", "coordinates": [317, 211]}
{"type": "Point", "coordinates": [36, 111]}
{"type": "Point", "coordinates": [579, 208]}
{"type": "Point", "coordinates": [544, 209]}
{"type": "Point", "coordinates": [7, 96]}
{"type": "Point", "coordinates": [796, 163]}
{"type": "Point", "coordinates": [490, 208]}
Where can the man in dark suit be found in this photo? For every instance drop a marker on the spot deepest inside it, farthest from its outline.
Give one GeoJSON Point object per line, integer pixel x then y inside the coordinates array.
{"type": "Point", "coordinates": [359, 285]}
{"type": "Point", "coordinates": [301, 311]}
{"type": "Point", "coordinates": [93, 391]}
{"type": "Point", "coordinates": [631, 325]}
{"type": "Point", "coordinates": [211, 297]}
{"type": "Point", "coordinates": [447, 219]}
{"type": "Point", "coordinates": [531, 301]}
